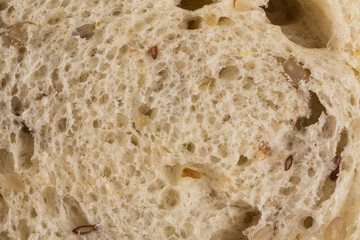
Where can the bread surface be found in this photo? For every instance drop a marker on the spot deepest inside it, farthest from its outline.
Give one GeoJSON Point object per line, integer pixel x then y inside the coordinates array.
{"type": "Point", "coordinates": [180, 120]}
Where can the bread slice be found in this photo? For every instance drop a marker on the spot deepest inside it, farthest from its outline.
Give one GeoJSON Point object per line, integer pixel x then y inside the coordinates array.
{"type": "Point", "coordinates": [228, 119]}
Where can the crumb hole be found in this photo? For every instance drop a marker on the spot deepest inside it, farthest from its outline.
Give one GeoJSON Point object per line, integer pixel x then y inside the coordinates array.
{"type": "Point", "coordinates": [187, 230]}
{"type": "Point", "coordinates": [4, 209]}
{"type": "Point", "coordinates": [65, 3]}
{"type": "Point", "coordinates": [283, 12]}
{"type": "Point", "coordinates": [6, 161]}
{"type": "Point", "coordinates": [85, 31]}
{"type": "Point", "coordinates": [145, 110]}
{"type": "Point", "coordinates": [52, 201]}
{"type": "Point", "coordinates": [206, 83]}
{"type": "Point", "coordinates": [173, 173]}
{"type": "Point", "coordinates": [104, 99]}
{"type": "Point", "coordinates": [223, 150]}
{"type": "Point", "coordinates": [225, 21]}
{"type": "Point", "coordinates": [62, 125]}
{"type": "Point", "coordinates": [229, 73]}
{"type": "Point", "coordinates": [107, 172]}
{"type": "Point", "coordinates": [316, 109]}
{"type": "Point", "coordinates": [189, 147]}
{"type": "Point", "coordinates": [4, 81]}
{"type": "Point", "coordinates": [5, 236]}
{"type": "Point", "coordinates": [213, 193]}
{"type": "Point", "coordinates": [308, 222]}
{"type": "Point", "coordinates": [295, 180]}
{"type": "Point", "coordinates": [252, 218]}
{"type": "Point", "coordinates": [343, 141]}
{"type": "Point", "coordinates": [16, 106]}
{"type": "Point", "coordinates": [232, 233]}
{"type": "Point", "coordinates": [110, 138]}
{"type": "Point", "coordinates": [83, 77]}
{"type": "Point", "coordinates": [111, 53]}
{"type": "Point", "coordinates": [302, 22]}
{"type": "Point", "coordinates": [214, 159]}
{"type": "Point", "coordinates": [191, 23]}
{"type": "Point", "coordinates": [249, 65]}
{"type": "Point", "coordinates": [74, 213]}
{"type": "Point", "coordinates": [93, 52]}
{"type": "Point", "coordinates": [22, 52]}
{"type": "Point", "coordinates": [122, 120]}
{"type": "Point", "coordinates": [159, 184]}
{"type": "Point", "coordinates": [12, 138]}
{"type": "Point", "coordinates": [193, 4]}
{"type": "Point", "coordinates": [86, 14]}
{"type": "Point", "coordinates": [169, 230]}
{"type": "Point", "coordinates": [329, 127]}
{"type": "Point", "coordinates": [242, 160]}
{"type": "Point", "coordinates": [211, 20]}
{"type": "Point", "coordinates": [296, 72]}
{"type": "Point", "coordinates": [287, 191]}
{"type": "Point", "coordinates": [33, 213]}
{"type": "Point", "coordinates": [55, 19]}
{"type": "Point", "coordinates": [26, 144]}
{"type": "Point", "coordinates": [3, 5]}
{"type": "Point", "coordinates": [352, 100]}
{"type": "Point", "coordinates": [116, 12]}
{"type": "Point", "coordinates": [311, 172]}
{"type": "Point", "coordinates": [23, 229]}
{"type": "Point", "coordinates": [326, 191]}
{"type": "Point", "coordinates": [170, 199]}
{"type": "Point", "coordinates": [97, 123]}
{"type": "Point", "coordinates": [134, 140]}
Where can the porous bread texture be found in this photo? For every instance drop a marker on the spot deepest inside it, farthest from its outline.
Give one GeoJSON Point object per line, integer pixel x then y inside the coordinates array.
{"type": "Point", "coordinates": [97, 131]}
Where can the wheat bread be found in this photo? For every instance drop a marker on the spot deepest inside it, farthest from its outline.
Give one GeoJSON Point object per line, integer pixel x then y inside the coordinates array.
{"type": "Point", "coordinates": [179, 119]}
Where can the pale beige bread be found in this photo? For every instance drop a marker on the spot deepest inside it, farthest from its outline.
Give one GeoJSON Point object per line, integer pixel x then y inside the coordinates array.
{"type": "Point", "coordinates": [232, 129]}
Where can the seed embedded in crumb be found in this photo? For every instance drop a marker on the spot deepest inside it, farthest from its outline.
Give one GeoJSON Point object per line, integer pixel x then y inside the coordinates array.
{"type": "Point", "coordinates": [264, 147]}
{"type": "Point", "coordinates": [154, 52]}
{"type": "Point", "coordinates": [188, 172]}
{"type": "Point", "coordinates": [85, 229]}
{"type": "Point", "coordinates": [288, 162]}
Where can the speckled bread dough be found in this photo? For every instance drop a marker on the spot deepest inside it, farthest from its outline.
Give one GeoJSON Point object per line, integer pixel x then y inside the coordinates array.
{"type": "Point", "coordinates": [244, 123]}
